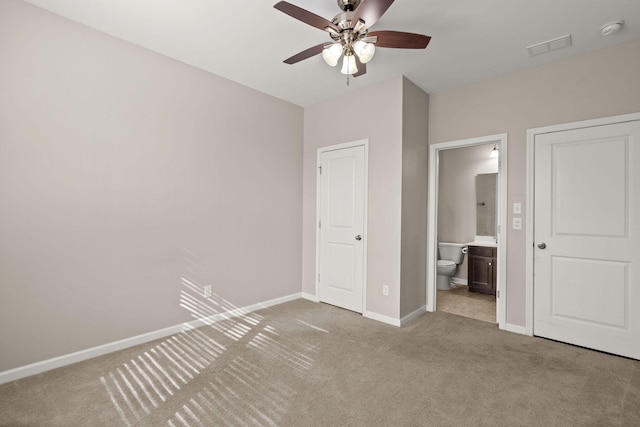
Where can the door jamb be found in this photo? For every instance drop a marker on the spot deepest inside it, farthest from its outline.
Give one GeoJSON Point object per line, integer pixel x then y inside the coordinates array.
{"type": "Point", "coordinates": [352, 144]}
{"type": "Point", "coordinates": [530, 224]}
{"type": "Point", "coordinates": [432, 249]}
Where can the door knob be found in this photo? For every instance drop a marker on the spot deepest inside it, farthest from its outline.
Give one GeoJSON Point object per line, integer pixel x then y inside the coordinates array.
{"type": "Point", "coordinates": [358, 237]}
{"type": "Point", "coordinates": [542, 245]}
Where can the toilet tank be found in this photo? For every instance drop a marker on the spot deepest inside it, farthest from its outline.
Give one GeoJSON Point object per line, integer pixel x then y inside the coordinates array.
{"type": "Point", "coordinates": [451, 251]}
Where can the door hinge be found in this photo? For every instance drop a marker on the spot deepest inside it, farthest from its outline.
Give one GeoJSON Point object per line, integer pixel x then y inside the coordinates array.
{"type": "Point", "coordinates": [319, 223]}
{"type": "Point", "coordinates": [318, 277]}
{"type": "Point", "coordinates": [498, 293]}
{"type": "Point", "coordinates": [320, 169]}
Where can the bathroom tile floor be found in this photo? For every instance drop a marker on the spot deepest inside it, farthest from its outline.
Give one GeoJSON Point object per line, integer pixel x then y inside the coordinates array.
{"type": "Point", "coordinates": [458, 300]}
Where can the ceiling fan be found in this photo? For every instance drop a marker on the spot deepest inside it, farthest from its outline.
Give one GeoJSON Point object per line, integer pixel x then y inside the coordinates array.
{"type": "Point", "coordinates": [350, 34]}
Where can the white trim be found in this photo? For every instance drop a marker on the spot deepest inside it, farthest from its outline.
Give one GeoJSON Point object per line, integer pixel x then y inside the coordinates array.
{"type": "Point", "coordinates": [503, 228]}
{"type": "Point", "coordinates": [381, 318]}
{"type": "Point", "coordinates": [89, 353]}
{"type": "Point", "coordinates": [432, 238]}
{"type": "Point", "coordinates": [310, 297]}
{"type": "Point", "coordinates": [432, 228]}
{"type": "Point", "coordinates": [458, 281]}
{"type": "Point", "coordinates": [602, 121]}
{"type": "Point", "coordinates": [409, 317]}
{"type": "Point", "coordinates": [530, 226]}
{"type": "Point", "coordinates": [360, 142]}
{"type": "Point", "coordinates": [517, 329]}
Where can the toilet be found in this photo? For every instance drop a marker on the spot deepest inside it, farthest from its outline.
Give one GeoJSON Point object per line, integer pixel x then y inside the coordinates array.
{"type": "Point", "coordinates": [450, 256]}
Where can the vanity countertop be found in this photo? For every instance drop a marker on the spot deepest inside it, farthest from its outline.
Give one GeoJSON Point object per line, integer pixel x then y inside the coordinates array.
{"type": "Point", "coordinates": [487, 244]}
{"type": "Point", "coordinates": [490, 242]}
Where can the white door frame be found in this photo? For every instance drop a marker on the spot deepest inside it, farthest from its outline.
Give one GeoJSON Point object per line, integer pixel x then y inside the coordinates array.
{"type": "Point", "coordinates": [361, 142]}
{"type": "Point", "coordinates": [432, 242]}
{"type": "Point", "coordinates": [530, 224]}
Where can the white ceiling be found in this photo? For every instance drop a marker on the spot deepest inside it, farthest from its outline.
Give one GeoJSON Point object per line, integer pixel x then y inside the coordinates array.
{"type": "Point", "coordinates": [246, 41]}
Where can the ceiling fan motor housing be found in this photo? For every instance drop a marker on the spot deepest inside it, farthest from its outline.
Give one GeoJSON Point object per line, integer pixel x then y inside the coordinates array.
{"type": "Point", "coordinates": [348, 5]}
{"type": "Point", "coordinates": [348, 34]}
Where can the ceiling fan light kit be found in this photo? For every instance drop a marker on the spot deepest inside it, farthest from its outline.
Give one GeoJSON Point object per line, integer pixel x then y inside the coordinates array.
{"type": "Point", "coordinates": [332, 53]}
{"type": "Point", "coordinates": [350, 37]}
{"type": "Point", "coordinates": [349, 65]}
{"type": "Point", "coordinates": [364, 50]}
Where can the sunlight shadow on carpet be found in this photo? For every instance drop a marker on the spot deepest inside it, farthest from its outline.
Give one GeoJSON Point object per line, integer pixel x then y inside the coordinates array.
{"type": "Point", "coordinates": [193, 372]}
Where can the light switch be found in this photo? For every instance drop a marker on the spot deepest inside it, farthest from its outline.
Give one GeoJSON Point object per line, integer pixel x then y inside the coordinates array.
{"type": "Point", "coordinates": [517, 208]}
{"type": "Point", "coordinates": [517, 223]}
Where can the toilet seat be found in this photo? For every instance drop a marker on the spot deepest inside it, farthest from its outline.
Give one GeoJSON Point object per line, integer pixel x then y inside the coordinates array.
{"type": "Point", "coordinates": [445, 263]}
{"type": "Point", "coordinates": [446, 267]}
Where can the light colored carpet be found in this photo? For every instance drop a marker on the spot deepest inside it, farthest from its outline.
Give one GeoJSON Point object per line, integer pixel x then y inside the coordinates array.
{"type": "Point", "coordinates": [309, 364]}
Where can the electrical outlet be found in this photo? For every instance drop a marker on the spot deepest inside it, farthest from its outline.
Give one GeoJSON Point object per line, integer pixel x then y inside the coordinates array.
{"type": "Point", "coordinates": [385, 290]}
{"type": "Point", "coordinates": [208, 291]}
{"type": "Point", "coordinates": [517, 223]}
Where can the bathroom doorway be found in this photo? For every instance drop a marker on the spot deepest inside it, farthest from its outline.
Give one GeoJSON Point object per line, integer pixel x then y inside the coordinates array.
{"type": "Point", "coordinates": [452, 206]}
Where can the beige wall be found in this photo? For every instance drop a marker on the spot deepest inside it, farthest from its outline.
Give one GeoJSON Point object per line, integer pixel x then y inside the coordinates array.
{"type": "Point", "coordinates": [597, 84]}
{"type": "Point", "coordinates": [415, 110]}
{"type": "Point", "coordinates": [123, 173]}
{"type": "Point", "coordinates": [458, 168]}
{"type": "Point", "coordinates": [345, 119]}
{"type": "Point", "coordinates": [397, 133]}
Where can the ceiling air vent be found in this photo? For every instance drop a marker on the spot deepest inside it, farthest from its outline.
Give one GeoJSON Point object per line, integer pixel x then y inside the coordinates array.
{"type": "Point", "coordinates": [549, 45]}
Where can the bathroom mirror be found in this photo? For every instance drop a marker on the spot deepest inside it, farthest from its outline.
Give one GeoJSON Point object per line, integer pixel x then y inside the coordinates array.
{"type": "Point", "coordinates": [486, 189]}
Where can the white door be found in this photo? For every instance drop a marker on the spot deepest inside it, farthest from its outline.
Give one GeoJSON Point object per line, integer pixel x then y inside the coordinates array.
{"type": "Point", "coordinates": [587, 237]}
{"type": "Point", "coordinates": [342, 234]}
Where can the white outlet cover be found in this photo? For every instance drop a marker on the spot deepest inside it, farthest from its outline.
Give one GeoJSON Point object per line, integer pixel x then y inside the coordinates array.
{"type": "Point", "coordinates": [517, 223]}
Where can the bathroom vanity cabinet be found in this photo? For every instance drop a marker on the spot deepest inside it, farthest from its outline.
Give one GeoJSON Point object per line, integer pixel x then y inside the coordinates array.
{"type": "Point", "coordinates": [482, 269]}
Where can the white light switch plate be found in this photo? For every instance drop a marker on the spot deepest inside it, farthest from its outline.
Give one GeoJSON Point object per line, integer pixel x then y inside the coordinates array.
{"type": "Point", "coordinates": [517, 208]}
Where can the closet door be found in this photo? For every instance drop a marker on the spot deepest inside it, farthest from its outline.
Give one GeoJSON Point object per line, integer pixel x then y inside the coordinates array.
{"type": "Point", "coordinates": [587, 237]}
{"type": "Point", "coordinates": [341, 226]}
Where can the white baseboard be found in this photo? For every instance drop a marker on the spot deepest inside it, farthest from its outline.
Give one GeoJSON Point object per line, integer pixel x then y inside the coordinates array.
{"type": "Point", "coordinates": [516, 329]}
{"type": "Point", "coordinates": [79, 356]}
{"type": "Point", "coordinates": [310, 297]}
{"type": "Point", "coordinates": [459, 281]}
{"type": "Point", "coordinates": [372, 315]}
{"type": "Point", "coordinates": [381, 318]}
{"type": "Point", "coordinates": [409, 317]}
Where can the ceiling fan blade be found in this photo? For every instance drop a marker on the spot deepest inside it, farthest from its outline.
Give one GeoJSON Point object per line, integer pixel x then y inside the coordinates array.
{"type": "Point", "coordinates": [305, 16]}
{"type": "Point", "coordinates": [398, 39]}
{"type": "Point", "coordinates": [308, 53]}
{"type": "Point", "coordinates": [362, 68]}
{"type": "Point", "coordinates": [370, 11]}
